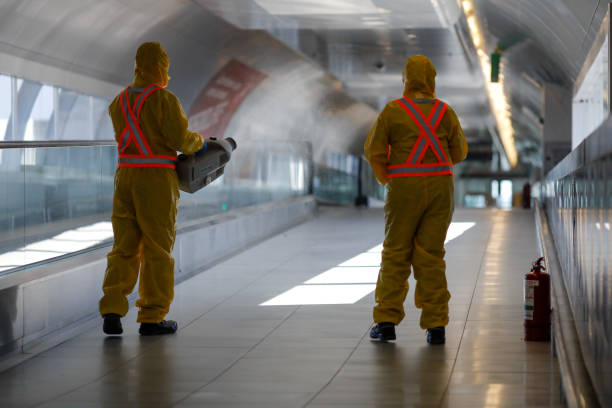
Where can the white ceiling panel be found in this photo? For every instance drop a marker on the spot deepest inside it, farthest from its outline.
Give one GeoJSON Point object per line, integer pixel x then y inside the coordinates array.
{"type": "Point", "coordinates": [335, 14]}
{"type": "Point", "coordinates": [314, 7]}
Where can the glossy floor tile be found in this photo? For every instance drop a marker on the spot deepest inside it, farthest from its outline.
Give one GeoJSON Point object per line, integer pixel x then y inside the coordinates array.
{"type": "Point", "coordinates": [312, 349]}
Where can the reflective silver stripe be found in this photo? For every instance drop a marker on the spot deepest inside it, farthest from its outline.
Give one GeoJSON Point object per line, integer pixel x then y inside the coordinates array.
{"type": "Point", "coordinates": [132, 125]}
{"type": "Point", "coordinates": [399, 170]}
{"type": "Point", "coordinates": [141, 98]}
{"type": "Point", "coordinates": [420, 148]}
{"type": "Point", "coordinates": [126, 135]}
{"type": "Point", "coordinates": [425, 126]}
{"type": "Point", "coordinates": [138, 98]}
{"type": "Point", "coordinates": [134, 129]}
{"type": "Point", "coordinates": [421, 100]}
{"type": "Point", "coordinates": [124, 142]}
{"type": "Point", "coordinates": [145, 160]}
{"type": "Point", "coordinates": [136, 134]}
{"type": "Point", "coordinates": [436, 115]}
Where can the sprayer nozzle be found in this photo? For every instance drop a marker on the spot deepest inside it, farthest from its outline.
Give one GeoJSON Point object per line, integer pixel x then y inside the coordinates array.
{"type": "Point", "coordinates": [232, 142]}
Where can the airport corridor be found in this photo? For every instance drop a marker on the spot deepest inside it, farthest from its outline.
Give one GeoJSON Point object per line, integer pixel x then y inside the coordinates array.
{"type": "Point", "coordinates": [285, 324]}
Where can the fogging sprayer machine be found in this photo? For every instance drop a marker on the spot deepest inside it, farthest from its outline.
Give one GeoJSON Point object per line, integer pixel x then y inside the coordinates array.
{"type": "Point", "coordinates": [196, 171]}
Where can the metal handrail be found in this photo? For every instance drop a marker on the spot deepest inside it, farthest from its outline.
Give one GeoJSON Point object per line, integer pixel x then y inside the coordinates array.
{"type": "Point", "coordinates": [21, 144]}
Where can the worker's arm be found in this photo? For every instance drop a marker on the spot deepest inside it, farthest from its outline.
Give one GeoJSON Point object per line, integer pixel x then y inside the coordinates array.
{"type": "Point", "coordinates": [174, 127]}
{"type": "Point", "coordinates": [118, 128]}
{"type": "Point", "coordinates": [376, 148]}
{"type": "Point", "coordinates": [457, 144]}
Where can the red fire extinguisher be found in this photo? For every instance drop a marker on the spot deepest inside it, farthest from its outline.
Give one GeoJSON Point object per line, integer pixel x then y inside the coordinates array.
{"type": "Point", "coordinates": [537, 303]}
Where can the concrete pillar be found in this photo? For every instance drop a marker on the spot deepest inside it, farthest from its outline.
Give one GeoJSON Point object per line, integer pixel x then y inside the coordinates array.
{"type": "Point", "coordinates": [557, 130]}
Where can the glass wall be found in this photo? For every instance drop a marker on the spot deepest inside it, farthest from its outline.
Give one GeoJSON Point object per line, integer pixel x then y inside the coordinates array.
{"type": "Point", "coordinates": [371, 187]}
{"type": "Point", "coordinates": [49, 195]}
{"type": "Point", "coordinates": [473, 192]}
{"type": "Point", "coordinates": [61, 202]}
{"type": "Point", "coordinates": [31, 111]}
{"type": "Point", "coordinates": [57, 201]}
{"type": "Point", "coordinates": [257, 173]}
{"type": "Point", "coordinates": [57, 204]}
{"type": "Point", "coordinates": [337, 181]}
{"type": "Point", "coordinates": [5, 106]}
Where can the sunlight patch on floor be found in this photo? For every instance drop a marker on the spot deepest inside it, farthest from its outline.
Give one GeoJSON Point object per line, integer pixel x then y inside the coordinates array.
{"type": "Point", "coordinates": [349, 281]}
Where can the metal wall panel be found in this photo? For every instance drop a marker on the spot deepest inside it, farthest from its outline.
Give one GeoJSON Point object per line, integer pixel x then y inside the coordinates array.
{"type": "Point", "coordinates": [11, 319]}
{"type": "Point", "coordinates": [578, 198]}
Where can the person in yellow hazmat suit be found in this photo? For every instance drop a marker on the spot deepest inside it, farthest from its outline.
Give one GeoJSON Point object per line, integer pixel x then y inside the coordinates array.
{"type": "Point", "coordinates": [150, 127]}
{"type": "Point", "coordinates": [411, 147]}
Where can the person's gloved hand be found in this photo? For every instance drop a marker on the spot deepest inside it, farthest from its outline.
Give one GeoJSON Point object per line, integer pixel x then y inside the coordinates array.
{"type": "Point", "coordinates": [202, 149]}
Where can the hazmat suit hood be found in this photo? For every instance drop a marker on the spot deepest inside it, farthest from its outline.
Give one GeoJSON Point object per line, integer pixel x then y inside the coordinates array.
{"type": "Point", "coordinates": [152, 64]}
{"type": "Point", "coordinates": [419, 77]}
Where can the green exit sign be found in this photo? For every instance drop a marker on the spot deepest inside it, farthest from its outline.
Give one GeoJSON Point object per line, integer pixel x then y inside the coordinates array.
{"type": "Point", "coordinates": [495, 60]}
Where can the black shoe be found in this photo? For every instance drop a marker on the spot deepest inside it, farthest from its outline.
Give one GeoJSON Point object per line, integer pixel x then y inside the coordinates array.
{"type": "Point", "coordinates": [383, 331]}
{"type": "Point", "coordinates": [436, 335]}
{"type": "Point", "coordinates": [112, 324]}
{"type": "Point", "coordinates": [153, 329]}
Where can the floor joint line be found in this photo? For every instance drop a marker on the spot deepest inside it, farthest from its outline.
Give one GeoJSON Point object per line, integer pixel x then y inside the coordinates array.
{"type": "Point", "coordinates": [484, 254]}
{"type": "Point", "coordinates": [337, 371]}
{"type": "Point", "coordinates": [224, 371]}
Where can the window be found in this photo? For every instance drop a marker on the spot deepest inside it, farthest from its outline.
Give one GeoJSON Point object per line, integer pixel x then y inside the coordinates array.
{"type": "Point", "coordinates": [590, 104]}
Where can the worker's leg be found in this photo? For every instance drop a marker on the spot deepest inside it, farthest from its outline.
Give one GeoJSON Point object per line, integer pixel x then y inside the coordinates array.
{"type": "Point", "coordinates": [431, 294]}
{"type": "Point", "coordinates": [156, 208]}
{"type": "Point", "coordinates": [403, 210]}
{"type": "Point", "coordinates": [123, 261]}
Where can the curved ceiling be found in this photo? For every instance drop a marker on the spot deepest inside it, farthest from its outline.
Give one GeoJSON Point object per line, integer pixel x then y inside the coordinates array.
{"type": "Point", "coordinates": [560, 31]}
{"type": "Point", "coordinates": [543, 42]}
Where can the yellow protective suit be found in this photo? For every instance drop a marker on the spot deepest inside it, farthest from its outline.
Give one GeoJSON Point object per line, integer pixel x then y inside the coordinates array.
{"type": "Point", "coordinates": [418, 210]}
{"type": "Point", "coordinates": [145, 200]}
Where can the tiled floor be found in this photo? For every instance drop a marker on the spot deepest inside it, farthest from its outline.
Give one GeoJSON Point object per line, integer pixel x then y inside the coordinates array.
{"type": "Point", "coordinates": [232, 352]}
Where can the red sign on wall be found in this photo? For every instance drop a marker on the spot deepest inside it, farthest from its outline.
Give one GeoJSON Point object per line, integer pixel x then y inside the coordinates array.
{"type": "Point", "coordinates": [214, 107]}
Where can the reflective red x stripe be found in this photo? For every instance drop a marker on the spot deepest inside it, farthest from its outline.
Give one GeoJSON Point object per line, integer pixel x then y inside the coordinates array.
{"type": "Point", "coordinates": [132, 133]}
{"type": "Point", "coordinates": [427, 140]}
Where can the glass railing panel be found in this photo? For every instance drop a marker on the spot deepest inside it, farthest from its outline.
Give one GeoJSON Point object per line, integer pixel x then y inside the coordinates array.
{"type": "Point", "coordinates": [68, 199]}
{"type": "Point", "coordinates": [371, 187]}
{"type": "Point", "coordinates": [57, 201]}
{"type": "Point", "coordinates": [255, 175]}
{"type": "Point", "coordinates": [331, 185]}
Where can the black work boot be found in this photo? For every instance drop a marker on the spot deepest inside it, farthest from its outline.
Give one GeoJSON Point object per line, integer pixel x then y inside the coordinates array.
{"type": "Point", "coordinates": [384, 331]}
{"type": "Point", "coordinates": [112, 324]}
{"type": "Point", "coordinates": [153, 329]}
{"type": "Point", "coordinates": [436, 335]}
